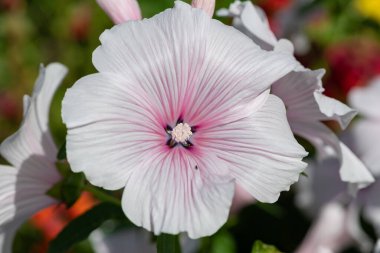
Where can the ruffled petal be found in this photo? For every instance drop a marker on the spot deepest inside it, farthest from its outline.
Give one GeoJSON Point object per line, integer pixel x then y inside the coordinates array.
{"type": "Point", "coordinates": [264, 157]}
{"type": "Point", "coordinates": [366, 99]}
{"type": "Point", "coordinates": [302, 94]}
{"type": "Point", "coordinates": [179, 192]}
{"type": "Point", "coordinates": [193, 65]}
{"type": "Point", "coordinates": [252, 21]}
{"type": "Point", "coordinates": [323, 138]}
{"type": "Point", "coordinates": [33, 137]}
{"type": "Point", "coordinates": [352, 170]}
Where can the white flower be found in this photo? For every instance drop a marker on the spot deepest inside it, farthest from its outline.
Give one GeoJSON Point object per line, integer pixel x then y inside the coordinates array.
{"type": "Point", "coordinates": [32, 155]}
{"type": "Point", "coordinates": [302, 92]}
{"type": "Point", "coordinates": [155, 77]}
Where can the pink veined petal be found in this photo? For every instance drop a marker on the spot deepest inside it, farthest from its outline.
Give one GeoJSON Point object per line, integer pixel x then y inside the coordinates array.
{"type": "Point", "coordinates": [263, 155]}
{"type": "Point", "coordinates": [33, 137]}
{"type": "Point", "coordinates": [207, 5]}
{"type": "Point", "coordinates": [366, 99]}
{"type": "Point", "coordinates": [112, 122]}
{"type": "Point", "coordinates": [121, 11]}
{"type": "Point", "coordinates": [179, 192]}
{"type": "Point", "coordinates": [190, 64]}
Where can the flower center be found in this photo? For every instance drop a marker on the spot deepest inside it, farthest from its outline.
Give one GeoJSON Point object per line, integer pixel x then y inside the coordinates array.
{"type": "Point", "coordinates": [181, 133]}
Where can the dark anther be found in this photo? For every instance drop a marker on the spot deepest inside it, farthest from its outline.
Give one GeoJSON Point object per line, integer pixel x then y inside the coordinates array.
{"type": "Point", "coordinates": [171, 143]}
{"type": "Point", "coordinates": [188, 144]}
{"type": "Point", "coordinates": [193, 129]}
{"type": "Point", "coordinates": [179, 121]}
{"type": "Point", "coordinates": [168, 129]}
{"type": "Point", "coordinates": [196, 167]}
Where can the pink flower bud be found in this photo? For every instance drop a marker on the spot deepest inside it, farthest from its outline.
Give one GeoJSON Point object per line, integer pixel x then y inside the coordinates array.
{"type": "Point", "coordinates": [207, 5]}
{"type": "Point", "coordinates": [121, 11]}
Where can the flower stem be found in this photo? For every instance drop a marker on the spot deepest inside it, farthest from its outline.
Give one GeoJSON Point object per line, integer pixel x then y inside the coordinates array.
{"type": "Point", "coordinates": [101, 195]}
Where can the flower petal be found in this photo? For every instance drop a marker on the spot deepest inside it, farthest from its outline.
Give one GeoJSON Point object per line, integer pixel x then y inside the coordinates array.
{"type": "Point", "coordinates": [112, 122]}
{"type": "Point", "coordinates": [322, 137]}
{"type": "Point", "coordinates": [261, 150]}
{"type": "Point", "coordinates": [329, 232]}
{"type": "Point", "coordinates": [365, 142]}
{"type": "Point", "coordinates": [121, 11]}
{"type": "Point", "coordinates": [207, 5]}
{"type": "Point", "coordinates": [352, 170]}
{"type": "Point", "coordinates": [252, 21]}
{"type": "Point", "coordinates": [302, 94]}
{"type": "Point", "coordinates": [185, 58]}
{"type": "Point", "coordinates": [366, 99]}
{"type": "Point", "coordinates": [33, 137]}
{"type": "Point", "coordinates": [179, 192]}
{"type": "Point", "coordinates": [22, 193]}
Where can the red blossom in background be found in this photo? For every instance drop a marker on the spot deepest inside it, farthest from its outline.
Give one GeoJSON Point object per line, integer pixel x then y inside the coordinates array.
{"type": "Point", "coordinates": [352, 63]}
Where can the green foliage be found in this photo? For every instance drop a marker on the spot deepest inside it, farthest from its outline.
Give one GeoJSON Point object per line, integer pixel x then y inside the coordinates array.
{"type": "Point", "coordinates": [81, 227]}
{"type": "Point", "coordinates": [168, 244]}
{"type": "Point", "coordinates": [260, 247]}
{"type": "Point", "coordinates": [69, 189]}
{"type": "Point", "coordinates": [62, 152]}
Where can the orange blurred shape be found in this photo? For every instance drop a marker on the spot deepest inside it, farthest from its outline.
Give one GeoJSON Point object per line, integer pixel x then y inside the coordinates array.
{"type": "Point", "coordinates": [53, 219]}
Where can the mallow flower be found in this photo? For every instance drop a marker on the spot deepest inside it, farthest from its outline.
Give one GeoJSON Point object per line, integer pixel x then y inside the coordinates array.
{"type": "Point", "coordinates": [302, 92]}
{"type": "Point", "coordinates": [323, 188]}
{"type": "Point", "coordinates": [31, 153]}
{"type": "Point", "coordinates": [180, 113]}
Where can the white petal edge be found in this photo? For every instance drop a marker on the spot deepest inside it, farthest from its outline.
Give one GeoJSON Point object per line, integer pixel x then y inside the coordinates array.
{"type": "Point", "coordinates": [352, 170]}
{"type": "Point", "coordinates": [366, 99]}
{"type": "Point", "coordinates": [33, 136]}
{"type": "Point", "coordinates": [263, 155]}
{"type": "Point", "coordinates": [169, 195]}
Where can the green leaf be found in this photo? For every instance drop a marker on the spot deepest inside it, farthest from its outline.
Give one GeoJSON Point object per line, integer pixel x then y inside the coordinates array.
{"type": "Point", "coordinates": [260, 247]}
{"type": "Point", "coordinates": [80, 228]}
{"type": "Point", "coordinates": [69, 189]}
{"type": "Point", "coordinates": [168, 244]}
{"type": "Point", "coordinates": [72, 188]}
{"type": "Point", "coordinates": [304, 174]}
{"type": "Point", "coordinates": [62, 152]}
{"type": "Point", "coordinates": [223, 242]}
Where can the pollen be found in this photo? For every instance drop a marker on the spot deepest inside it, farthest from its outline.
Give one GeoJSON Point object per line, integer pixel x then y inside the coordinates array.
{"type": "Point", "coordinates": [181, 133]}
